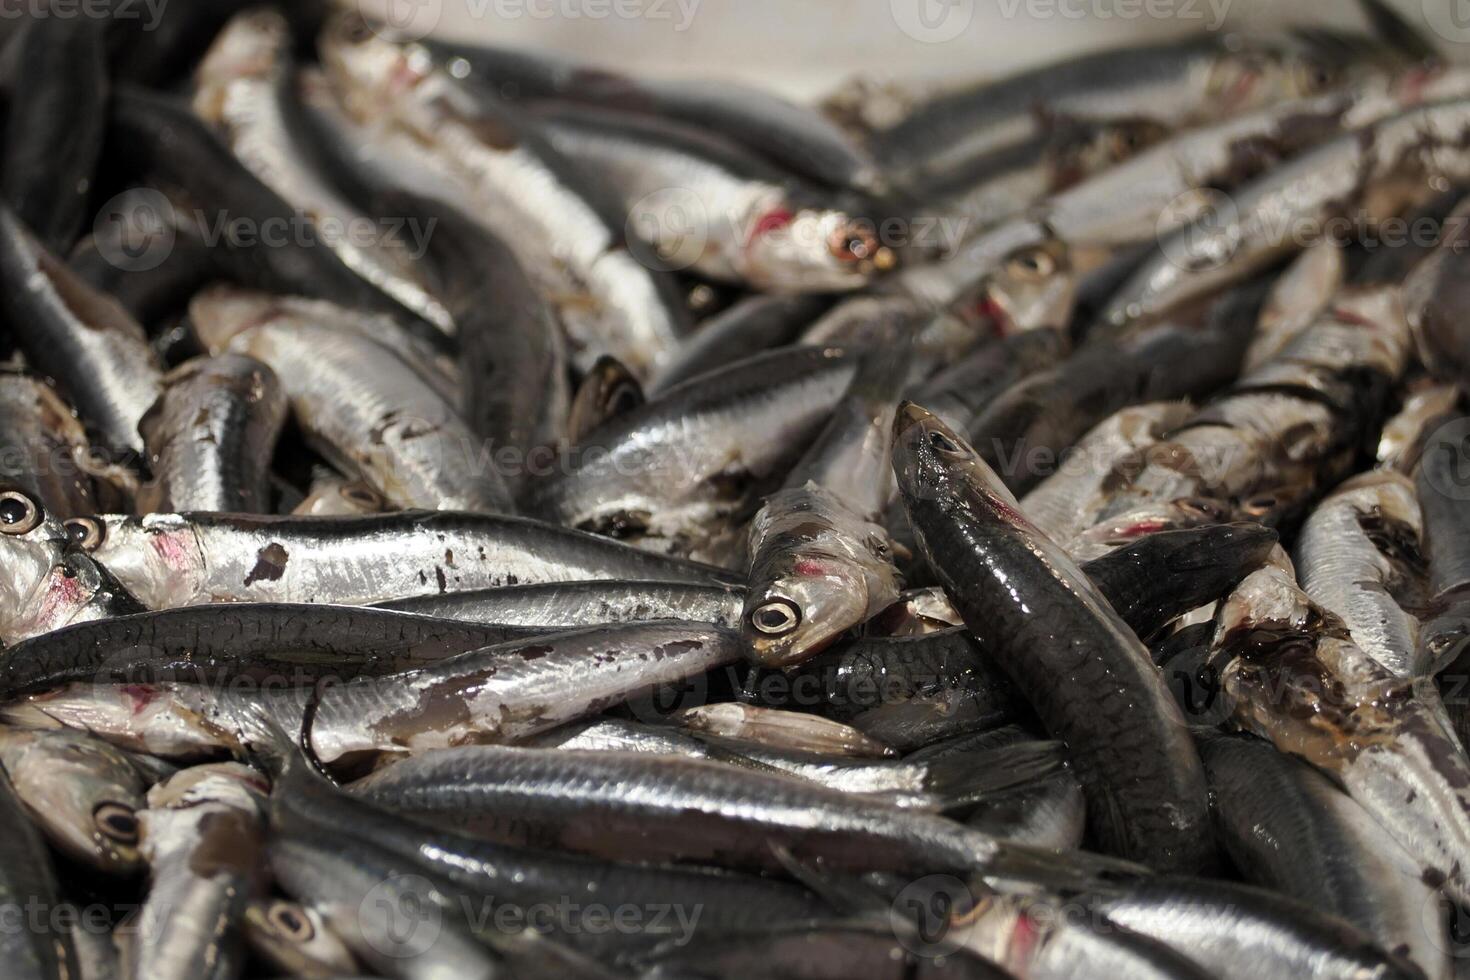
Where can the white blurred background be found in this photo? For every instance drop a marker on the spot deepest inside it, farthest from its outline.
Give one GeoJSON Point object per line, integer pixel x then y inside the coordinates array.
{"type": "Point", "coordinates": [807, 48]}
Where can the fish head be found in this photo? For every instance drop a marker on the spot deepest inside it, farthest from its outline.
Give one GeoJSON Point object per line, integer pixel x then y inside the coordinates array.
{"type": "Point", "coordinates": [1097, 148]}
{"type": "Point", "coordinates": [814, 248]}
{"type": "Point", "coordinates": [371, 69]}
{"type": "Point", "coordinates": [250, 47]}
{"type": "Point", "coordinates": [934, 463]}
{"type": "Point", "coordinates": [297, 938]}
{"type": "Point", "coordinates": [32, 544]}
{"type": "Point", "coordinates": [85, 793]}
{"type": "Point", "coordinates": [799, 612]}
{"type": "Point", "coordinates": [1032, 288]}
{"type": "Point", "coordinates": [1257, 73]}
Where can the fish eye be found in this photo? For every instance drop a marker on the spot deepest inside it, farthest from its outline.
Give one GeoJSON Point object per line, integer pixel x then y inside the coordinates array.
{"type": "Point", "coordinates": [942, 442]}
{"type": "Point", "coordinates": [117, 822]}
{"type": "Point", "coordinates": [852, 244]}
{"type": "Point", "coordinates": [1031, 265]}
{"type": "Point", "coordinates": [359, 494]}
{"type": "Point", "coordinates": [19, 514]}
{"type": "Point", "coordinates": [625, 398]}
{"type": "Point", "coordinates": [776, 618]}
{"type": "Point", "coordinates": [86, 533]}
{"type": "Point", "coordinates": [290, 922]}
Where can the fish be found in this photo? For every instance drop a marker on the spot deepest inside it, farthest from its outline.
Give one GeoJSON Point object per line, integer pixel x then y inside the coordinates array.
{"type": "Point", "coordinates": [1402, 442]}
{"type": "Point", "coordinates": [45, 453]}
{"type": "Point", "coordinates": [54, 136]}
{"type": "Point", "coordinates": [331, 494]}
{"type": "Point", "coordinates": [1303, 292]}
{"type": "Point", "coordinates": [819, 564]}
{"type": "Point", "coordinates": [83, 794]}
{"type": "Point", "coordinates": [280, 645]}
{"type": "Point", "coordinates": [702, 811]}
{"type": "Point", "coordinates": [172, 560]}
{"type": "Point", "coordinates": [1288, 828]}
{"type": "Point", "coordinates": [710, 205]}
{"type": "Point", "coordinates": [80, 338]}
{"type": "Point", "coordinates": [644, 477]}
{"type": "Point", "coordinates": [1359, 556]}
{"type": "Point", "coordinates": [203, 838]}
{"type": "Point", "coordinates": [786, 730]}
{"type": "Point", "coordinates": [789, 134]}
{"type": "Point", "coordinates": [1423, 145]}
{"type": "Point", "coordinates": [1252, 932]}
{"type": "Point", "coordinates": [210, 436]}
{"type": "Point", "coordinates": [608, 390]}
{"type": "Point", "coordinates": [1142, 775]}
{"type": "Point", "coordinates": [243, 86]}
{"type": "Point", "coordinates": [1367, 729]}
{"type": "Point", "coordinates": [41, 949]}
{"type": "Point", "coordinates": [401, 437]}
{"type": "Point", "coordinates": [555, 220]}
{"type": "Point", "coordinates": [1062, 505]}
{"type": "Point", "coordinates": [569, 605]}
{"type": "Point", "coordinates": [754, 323]}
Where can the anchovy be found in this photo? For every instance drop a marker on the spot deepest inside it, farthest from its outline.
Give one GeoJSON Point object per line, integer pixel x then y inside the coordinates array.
{"type": "Point", "coordinates": [1298, 297]}
{"type": "Point", "coordinates": [171, 560]}
{"type": "Point", "coordinates": [333, 495]}
{"type": "Point", "coordinates": [44, 450]}
{"type": "Point", "coordinates": [1061, 642]}
{"type": "Point", "coordinates": [755, 323]}
{"type": "Point", "coordinates": [53, 136]}
{"type": "Point", "coordinates": [785, 730]}
{"type": "Point", "coordinates": [280, 644]}
{"type": "Point", "coordinates": [401, 435]}
{"type": "Point", "coordinates": [608, 390]}
{"type": "Point", "coordinates": [296, 938]}
{"type": "Point", "coordinates": [732, 217]}
{"type": "Point", "coordinates": [210, 435]}
{"type": "Point", "coordinates": [82, 339]}
{"type": "Point", "coordinates": [1291, 674]}
{"type": "Point", "coordinates": [1427, 142]}
{"type": "Point", "coordinates": [244, 86]}
{"type": "Point", "coordinates": [604, 803]}
{"type": "Point", "coordinates": [569, 605]}
{"type": "Point", "coordinates": [203, 837]}
{"type": "Point", "coordinates": [791, 135]}
{"type": "Point", "coordinates": [1402, 442]}
{"type": "Point", "coordinates": [83, 794]}
{"type": "Point", "coordinates": [819, 563]}
{"type": "Point", "coordinates": [1289, 829]}
{"type": "Point", "coordinates": [36, 948]}
{"type": "Point", "coordinates": [734, 431]}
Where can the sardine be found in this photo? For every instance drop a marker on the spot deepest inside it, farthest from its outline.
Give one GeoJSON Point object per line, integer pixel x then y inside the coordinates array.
{"type": "Point", "coordinates": [37, 948]}
{"type": "Point", "coordinates": [754, 323]}
{"type": "Point", "coordinates": [44, 450]}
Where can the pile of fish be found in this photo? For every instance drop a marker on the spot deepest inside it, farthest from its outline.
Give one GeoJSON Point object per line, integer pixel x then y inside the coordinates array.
{"type": "Point", "coordinates": [466, 514]}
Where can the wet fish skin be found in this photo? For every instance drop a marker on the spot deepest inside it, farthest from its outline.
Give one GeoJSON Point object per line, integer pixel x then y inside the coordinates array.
{"type": "Point", "coordinates": [785, 730]}
{"type": "Point", "coordinates": [54, 135]}
{"type": "Point", "coordinates": [1369, 731]}
{"type": "Point", "coordinates": [82, 793]}
{"type": "Point", "coordinates": [203, 838]}
{"type": "Point", "coordinates": [608, 390]}
{"type": "Point", "coordinates": [644, 475]}
{"type": "Point", "coordinates": [981, 547]}
{"type": "Point", "coordinates": [282, 645]}
{"type": "Point", "coordinates": [1298, 297]}
{"type": "Point", "coordinates": [1238, 932]}
{"type": "Point", "coordinates": [245, 87]}
{"type": "Point", "coordinates": [1289, 829]}
{"type": "Point", "coordinates": [81, 338]}
{"type": "Point", "coordinates": [568, 605]}
{"type": "Point", "coordinates": [210, 436]}
{"type": "Point", "coordinates": [755, 323]}
{"type": "Point", "coordinates": [400, 435]}
{"type": "Point", "coordinates": [1404, 435]}
{"type": "Point", "coordinates": [27, 880]}
{"type": "Point", "coordinates": [157, 134]}
{"type": "Point", "coordinates": [45, 451]}
{"type": "Point", "coordinates": [701, 811]}
{"type": "Point", "coordinates": [171, 560]}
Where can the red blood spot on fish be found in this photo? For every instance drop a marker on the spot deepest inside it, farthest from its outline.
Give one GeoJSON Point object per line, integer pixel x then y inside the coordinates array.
{"type": "Point", "coordinates": [170, 548]}
{"type": "Point", "coordinates": [1142, 528]}
{"type": "Point", "coordinates": [1243, 87]}
{"type": "Point", "coordinates": [142, 696]}
{"type": "Point", "coordinates": [1007, 512]}
{"type": "Point", "coordinates": [1023, 938]}
{"type": "Point", "coordinates": [986, 309]}
{"type": "Point", "coordinates": [806, 566]}
{"type": "Point", "coordinates": [769, 222]}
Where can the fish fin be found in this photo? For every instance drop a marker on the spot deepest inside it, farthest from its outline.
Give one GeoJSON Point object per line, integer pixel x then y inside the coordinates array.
{"type": "Point", "coordinates": [1016, 866]}
{"type": "Point", "coordinates": [962, 778]}
{"type": "Point", "coordinates": [847, 894]}
{"type": "Point", "coordinates": [1398, 32]}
